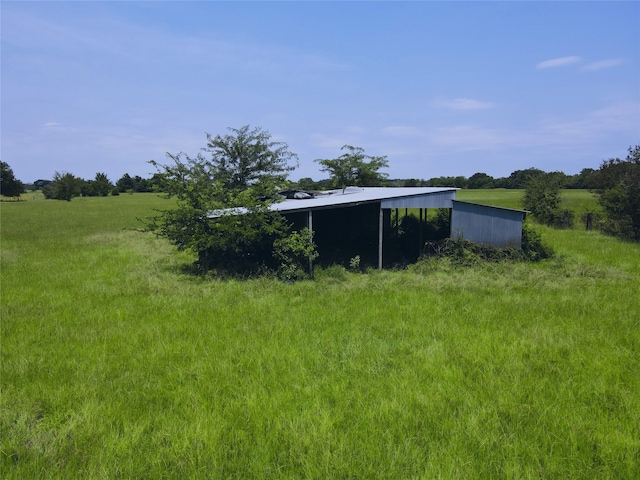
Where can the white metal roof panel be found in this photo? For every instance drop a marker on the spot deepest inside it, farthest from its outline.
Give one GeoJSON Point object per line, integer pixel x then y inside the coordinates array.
{"type": "Point", "coordinates": [390, 197]}
{"type": "Point", "coordinates": [356, 195]}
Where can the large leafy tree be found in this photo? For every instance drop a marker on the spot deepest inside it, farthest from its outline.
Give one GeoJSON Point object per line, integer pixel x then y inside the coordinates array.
{"type": "Point", "coordinates": [99, 187]}
{"type": "Point", "coordinates": [354, 167]}
{"type": "Point", "coordinates": [10, 186]}
{"type": "Point", "coordinates": [102, 185]}
{"type": "Point", "coordinates": [617, 183]}
{"type": "Point", "coordinates": [240, 172]}
{"type": "Point", "coordinates": [480, 180]}
{"type": "Point", "coordinates": [519, 178]}
{"type": "Point", "coordinates": [65, 186]}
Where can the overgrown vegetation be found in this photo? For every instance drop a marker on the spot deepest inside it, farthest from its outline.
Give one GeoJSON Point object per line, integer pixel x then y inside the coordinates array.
{"type": "Point", "coordinates": [463, 253]}
{"type": "Point", "coordinates": [618, 186]}
{"type": "Point", "coordinates": [113, 364]}
{"type": "Point", "coordinates": [294, 251]}
{"type": "Point", "coordinates": [223, 197]}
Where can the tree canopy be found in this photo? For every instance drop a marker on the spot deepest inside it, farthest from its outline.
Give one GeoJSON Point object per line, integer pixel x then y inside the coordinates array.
{"type": "Point", "coordinates": [617, 183]}
{"type": "Point", "coordinates": [542, 198]}
{"type": "Point", "coordinates": [65, 186]}
{"type": "Point", "coordinates": [243, 169]}
{"type": "Point", "coordinates": [354, 167]}
{"type": "Point", "coordinates": [9, 185]}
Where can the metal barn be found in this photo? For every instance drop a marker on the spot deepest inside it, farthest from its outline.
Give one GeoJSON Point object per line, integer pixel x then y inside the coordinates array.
{"type": "Point", "coordinates": [358, 220]}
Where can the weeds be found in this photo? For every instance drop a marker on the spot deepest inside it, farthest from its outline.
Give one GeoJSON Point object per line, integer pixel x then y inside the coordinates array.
{"type": "Point", "coordinates": [462, 252]}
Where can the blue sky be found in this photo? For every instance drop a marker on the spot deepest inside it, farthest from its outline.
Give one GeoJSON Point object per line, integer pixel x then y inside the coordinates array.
{"type": "Point", "coordinates": [440, 88]}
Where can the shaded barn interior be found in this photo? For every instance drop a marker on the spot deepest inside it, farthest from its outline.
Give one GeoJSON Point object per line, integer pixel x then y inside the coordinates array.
{"type": "Point", "coordinates": [358, 222]}
{"type": "Point", "coordinates": [342, 233]}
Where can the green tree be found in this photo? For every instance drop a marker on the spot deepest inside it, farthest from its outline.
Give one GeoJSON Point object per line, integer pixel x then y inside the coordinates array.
{"type": "Point", "coordinates": [519, 178]}
{"type": "Point", "coordinates": [584, 179]}
{"type": "Point", "coordinates": [354, 168]}
{"type": "Point", "coordinates": [617, 183]}
{"type": "Point", "coordinates": [458, 182]}
{"type": "Point", "coordinates": [125, 183]}
{"type": "Point", "coordinates": [64, 187]}
{"type": "Point", "coordinates": [542, 198]}
{"type": "Point", "coordinates": [480, 180]}
{"type": "Point", "coordinates": [102, 185]}
{"type": "Point", "coordinates": [9, 185]}
{"type": "Point", "coordinates": [223, 197]}
{"type": "Point", "coordinates": [307, 183]}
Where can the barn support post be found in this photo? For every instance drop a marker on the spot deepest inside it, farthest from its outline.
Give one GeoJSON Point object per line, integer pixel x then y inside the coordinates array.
{"type": "Point", "coordinates": [397, 223]}
{"type": "Point", "coordinates": [380, 232]}
{"type": "Point", "coordinates": [420, 245]}
{"type": "Point", "coordinates": [310, 227]}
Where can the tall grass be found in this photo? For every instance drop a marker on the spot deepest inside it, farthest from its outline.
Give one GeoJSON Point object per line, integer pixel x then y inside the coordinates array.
{"type": "Point", "coordinates": [115, 363]}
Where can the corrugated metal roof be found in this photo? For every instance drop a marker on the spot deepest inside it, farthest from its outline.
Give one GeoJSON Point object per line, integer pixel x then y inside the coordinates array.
{"type": "Point", "coordinates": [354, 196]}
{"type": "Point", "coordinates": [492, 206]}
{"type": "Point", "coordinates": [346, 197]}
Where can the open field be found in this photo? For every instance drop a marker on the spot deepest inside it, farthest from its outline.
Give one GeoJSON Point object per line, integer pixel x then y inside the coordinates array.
{"type": "Point", "coordinates": [580, 201]}
{"type": "Point", "coordinates": [116, 364]}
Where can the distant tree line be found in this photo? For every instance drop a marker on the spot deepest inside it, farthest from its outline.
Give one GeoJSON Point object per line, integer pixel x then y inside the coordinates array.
{"type": "Point", "coordinates": [517, 180]}
{"type": "Point", "coordinates": [65, 186]}
{"type": "Point", "coordinates": [351, 168]}
{"type": "Point", "coordinates": [616, 182]}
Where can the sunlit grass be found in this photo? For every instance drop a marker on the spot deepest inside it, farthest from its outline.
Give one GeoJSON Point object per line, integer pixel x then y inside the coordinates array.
{"type": "Point", "coordinates": [580, 201]}
{"type": "Point", "coordinates": [115, 363]}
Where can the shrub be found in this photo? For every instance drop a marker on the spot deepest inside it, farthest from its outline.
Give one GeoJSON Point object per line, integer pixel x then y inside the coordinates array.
{"type": "Point", "coordinates": [533, 247]}
{"type": "Point", "coordinates": [294, 252]}
{"type": "Point", "coordinates": [542, 199]}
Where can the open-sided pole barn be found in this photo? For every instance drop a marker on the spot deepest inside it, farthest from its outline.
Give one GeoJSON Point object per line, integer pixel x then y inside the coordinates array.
{"type": "Point", "coordinates": [351, 221]}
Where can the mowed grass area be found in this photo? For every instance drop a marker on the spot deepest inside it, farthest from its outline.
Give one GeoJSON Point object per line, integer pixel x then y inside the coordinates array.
{"type": "Point", "coordinates": [580, 201]}
{"type": "Point", "coordinates": [116, 364]}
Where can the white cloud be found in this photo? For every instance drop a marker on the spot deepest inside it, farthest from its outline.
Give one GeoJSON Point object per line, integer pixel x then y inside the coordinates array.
{"type": "Point", "coordinates": [612, 62]}
{"type": "Point", "coordinates": [615, 118]}
{"type": "Point", "coordinates": [554, 133]}
{"type": "Point", "coordinates": [558, 62]}
{"type": "Point", "coordinates": [52, 124]}
{"type": "Point", "coordinates": [466, 104]}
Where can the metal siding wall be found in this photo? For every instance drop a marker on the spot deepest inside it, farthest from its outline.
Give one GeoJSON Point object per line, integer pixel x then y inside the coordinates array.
{"type": "Point", "coordinates": [485, 224]}
{"type": "Point", "coordinates": [429, 200]}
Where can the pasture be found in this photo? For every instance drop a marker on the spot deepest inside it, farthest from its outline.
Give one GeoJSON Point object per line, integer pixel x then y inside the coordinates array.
{"type": "Point", "coordinates": [116, 363]}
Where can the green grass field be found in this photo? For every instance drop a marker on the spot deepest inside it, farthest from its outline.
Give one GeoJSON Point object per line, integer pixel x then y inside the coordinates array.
{"type": "Point", "coordinates": [117, 364]}
{"type": "Point", "coordinates": [580, 201]}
